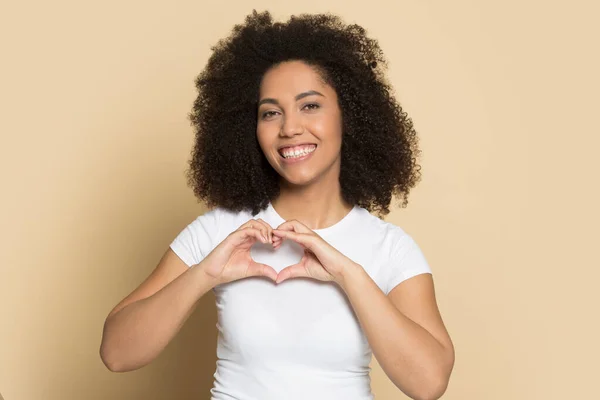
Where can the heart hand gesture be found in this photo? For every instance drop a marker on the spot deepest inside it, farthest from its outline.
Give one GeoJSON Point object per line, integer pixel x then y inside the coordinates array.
{"type": "Point", "coordinates": [321, 261]}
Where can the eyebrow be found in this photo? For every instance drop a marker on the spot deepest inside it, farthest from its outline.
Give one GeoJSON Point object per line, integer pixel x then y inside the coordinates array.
{"type": "Point", "coordinates": [298, 97]}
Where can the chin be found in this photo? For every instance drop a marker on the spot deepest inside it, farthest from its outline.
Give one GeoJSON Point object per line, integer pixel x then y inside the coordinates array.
{"type": "Point", "coordinates": [297, 179]}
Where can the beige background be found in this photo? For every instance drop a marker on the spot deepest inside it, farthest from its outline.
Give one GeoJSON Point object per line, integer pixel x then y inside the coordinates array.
{"type": "Point", "coordinates": [95, 139]}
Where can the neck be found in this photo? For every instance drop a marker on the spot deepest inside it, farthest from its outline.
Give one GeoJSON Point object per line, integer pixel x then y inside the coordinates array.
{"type": "Point", "coordinates": [317, 206]}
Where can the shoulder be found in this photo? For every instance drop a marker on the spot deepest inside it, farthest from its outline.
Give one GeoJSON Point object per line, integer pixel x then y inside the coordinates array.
{"type": "Point", "coordinates": [227, 216]}
{"type": "Point", "coordinates": [222, 220]}
{"type": "Point", "coordinates": [388, 236]}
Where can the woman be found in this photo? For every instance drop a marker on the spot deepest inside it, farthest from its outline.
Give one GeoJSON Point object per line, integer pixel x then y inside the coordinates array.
{"type": "Point", "coordinates": [298, 139]}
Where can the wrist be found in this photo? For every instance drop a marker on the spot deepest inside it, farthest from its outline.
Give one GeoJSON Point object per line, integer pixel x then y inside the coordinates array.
{"type": "Point", "coordinates": [352, 273]}
{"type": "Point", "coordinates": [205, 276]}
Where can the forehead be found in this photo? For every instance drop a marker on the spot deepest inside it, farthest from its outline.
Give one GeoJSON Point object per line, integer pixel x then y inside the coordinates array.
{"type": "Point", "coordinates": [290, 78]}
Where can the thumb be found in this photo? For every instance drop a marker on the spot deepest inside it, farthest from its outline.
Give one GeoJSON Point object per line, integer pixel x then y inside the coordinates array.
{"type": "Point", "coordinates": [256, 269]}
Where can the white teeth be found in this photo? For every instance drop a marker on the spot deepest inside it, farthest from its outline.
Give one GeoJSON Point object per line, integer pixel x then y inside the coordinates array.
{"type": "Point", "coordinates": [298, 153]}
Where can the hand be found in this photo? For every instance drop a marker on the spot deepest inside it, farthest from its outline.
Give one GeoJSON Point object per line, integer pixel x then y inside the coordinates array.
{"type": "Point", "coordinates": [231, 259]}
{"type": "Point", "coordinates": [321, 261]}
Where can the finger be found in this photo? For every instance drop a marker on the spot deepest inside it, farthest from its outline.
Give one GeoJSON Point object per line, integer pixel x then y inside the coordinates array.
{"type": "Point", "coordinates": [256, 269]}
{"type": "Point", "coordinates": [247, 224]}
{"type": "Point", "coordinates": [258, 224]}
{"type": "Point", "coordinates": [274, 238]}
{"type": "Point", "coordinates": [261, 226]}
{"type": "Point", "coordinates": [264, 227]}
{"type": "Point", "coordinates": [295, 226]}
{"type": "Point", "coordinates": [300, 238]}
{"type": "Point", "coordinates": [253, 233]}
{"type": "Point", "coordinates": [276, 242]}
{"type": "Point", "coordinates": [293, 271]}
{"type": "Point", "coordinates": [269, 229]}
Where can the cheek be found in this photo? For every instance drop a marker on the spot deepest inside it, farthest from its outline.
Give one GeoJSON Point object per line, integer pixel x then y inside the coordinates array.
{"type": "Point", "coordinates": [265, 143]}
{"type": "Point", "coordinates": [329, 131]}
{"type": "Point", "coordinates": [261, 136]}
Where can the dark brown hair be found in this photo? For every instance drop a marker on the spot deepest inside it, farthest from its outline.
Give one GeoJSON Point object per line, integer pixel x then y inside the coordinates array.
{"type": "Point", "coordinates": [379, 145]}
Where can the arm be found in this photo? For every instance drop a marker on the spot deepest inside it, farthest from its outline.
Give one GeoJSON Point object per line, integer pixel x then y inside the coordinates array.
{"type": "Point", "coordinates": [405, 332]}
{"type": "Point", "coordinates": [141, 325]}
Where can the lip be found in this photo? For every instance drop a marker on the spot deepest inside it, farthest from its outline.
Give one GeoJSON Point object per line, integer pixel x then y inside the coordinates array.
{"type": "Point", "coordinates": [297, 159]}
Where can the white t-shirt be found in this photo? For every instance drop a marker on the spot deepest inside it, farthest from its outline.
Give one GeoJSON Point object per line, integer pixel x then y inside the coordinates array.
{"type": "Point", "coordinates": [299, 339]}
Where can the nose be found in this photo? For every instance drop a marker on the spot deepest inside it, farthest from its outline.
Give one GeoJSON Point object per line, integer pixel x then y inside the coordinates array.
{"type": "Point", "coordinates": [291, 126]}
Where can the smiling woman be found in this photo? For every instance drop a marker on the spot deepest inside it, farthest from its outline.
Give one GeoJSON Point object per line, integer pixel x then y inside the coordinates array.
{"type": "Point", "coordinates": [299, 128]}
{"type": "Point", "coordinates": [312, 73]}
{"type": "Point", "coordinates": [298, 140]}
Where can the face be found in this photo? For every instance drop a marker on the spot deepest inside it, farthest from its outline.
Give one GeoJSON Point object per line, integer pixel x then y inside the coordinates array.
{"type": "Point", "coordinates": [299, 124]}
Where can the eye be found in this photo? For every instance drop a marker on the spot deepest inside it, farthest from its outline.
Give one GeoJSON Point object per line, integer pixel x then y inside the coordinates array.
{"type": "Point", "coordinates": [312, 106]}
{"type": "Point", "coordinates": [268, 114]}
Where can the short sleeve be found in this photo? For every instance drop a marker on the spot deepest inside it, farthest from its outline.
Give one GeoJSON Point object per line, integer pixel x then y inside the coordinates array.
{"type": "Point", "coordinates": [407, 261]}
{"type": "Point", "coordinates": [197, 239]}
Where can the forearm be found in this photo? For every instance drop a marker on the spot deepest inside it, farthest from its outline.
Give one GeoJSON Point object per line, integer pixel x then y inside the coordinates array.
{"type": "Point", "coordinates": [136, 334]}
{"type": "Point", "coordinates": [415, 361]}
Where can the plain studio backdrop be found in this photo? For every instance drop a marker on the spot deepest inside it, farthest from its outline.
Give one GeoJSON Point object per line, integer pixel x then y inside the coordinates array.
{"type": "Point", "coordinates": [95, 141]}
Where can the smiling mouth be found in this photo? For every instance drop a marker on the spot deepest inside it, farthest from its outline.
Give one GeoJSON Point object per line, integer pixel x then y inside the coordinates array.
{"type": "Point", "coordinates": [297, 158]}
{"type": "Point", "coordinates": [287, 155]}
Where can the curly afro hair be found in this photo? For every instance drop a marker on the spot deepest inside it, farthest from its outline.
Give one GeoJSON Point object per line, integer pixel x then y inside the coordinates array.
{"type": "Point", "coordinates": [379, 145]}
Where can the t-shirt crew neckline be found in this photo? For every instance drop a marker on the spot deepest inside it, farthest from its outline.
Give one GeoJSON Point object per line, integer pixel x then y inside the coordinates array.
{"type": "Point", "coordinates": [341, 224]}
